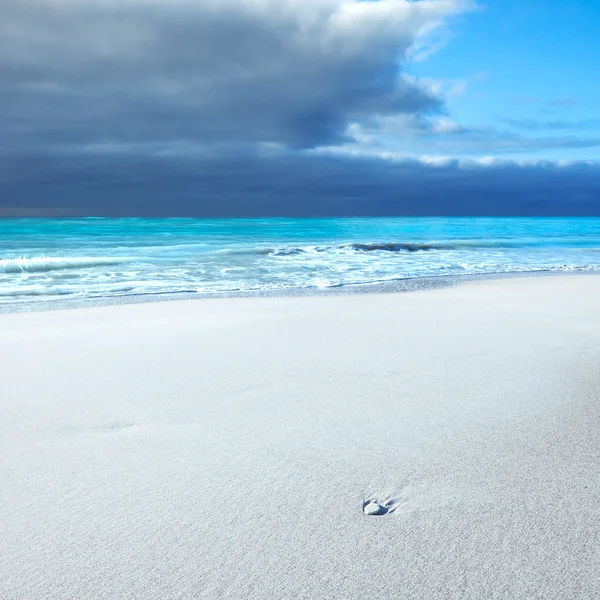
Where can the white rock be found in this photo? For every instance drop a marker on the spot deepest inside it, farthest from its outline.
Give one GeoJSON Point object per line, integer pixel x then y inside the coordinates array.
{"type": "Point", "coordinates": [373, 508]}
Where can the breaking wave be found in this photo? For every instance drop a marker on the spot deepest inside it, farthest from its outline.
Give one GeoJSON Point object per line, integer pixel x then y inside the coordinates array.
{"type": "Point", "coordinates": [379, 247]}
{"type": "Point", "coordinates": [41, 264]}
{"type": "Point", "coordinates": [396, 246]}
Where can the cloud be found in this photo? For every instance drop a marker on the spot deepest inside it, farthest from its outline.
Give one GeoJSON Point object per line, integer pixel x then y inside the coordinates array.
{"type": "Point", "coordinates": [552, 105]}
{"type": "Point", "coordinates": [414, 135]}
{"type": "Point", "coordinates": [292, 72]}
{"type": "Point", "coordinates": [562, 103]}
{"type": "Point", "coordinates": [535, 124]}
{"type": "Point", "coordinates": [446, 125]}
{"type": "Point", "coordinates": [287, 183]}
{"type": "Point", "coordinates": [253, 107]}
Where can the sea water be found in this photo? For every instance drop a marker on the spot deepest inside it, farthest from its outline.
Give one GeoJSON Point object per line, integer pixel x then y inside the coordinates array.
{"type": "Point", "coordinates": [46, 259]}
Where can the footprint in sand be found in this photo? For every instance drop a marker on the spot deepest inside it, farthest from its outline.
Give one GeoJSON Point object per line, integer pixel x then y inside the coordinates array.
{"type": "Point", "coordinates": [114, 426]}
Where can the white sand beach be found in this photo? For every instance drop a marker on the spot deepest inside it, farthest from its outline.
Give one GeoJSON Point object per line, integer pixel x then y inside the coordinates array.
{"type": "Point", "coordinates": [224, 449]}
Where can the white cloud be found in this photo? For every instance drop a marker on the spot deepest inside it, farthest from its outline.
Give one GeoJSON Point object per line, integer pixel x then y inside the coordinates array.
{"type": "Point", "coordinates": [445, 125]}
{"type": "Point", "coordinates": [446, 160]}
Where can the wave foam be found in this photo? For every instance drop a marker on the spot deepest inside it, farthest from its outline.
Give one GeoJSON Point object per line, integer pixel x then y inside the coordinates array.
{"type": "Point", "coordinates": [41, 264]}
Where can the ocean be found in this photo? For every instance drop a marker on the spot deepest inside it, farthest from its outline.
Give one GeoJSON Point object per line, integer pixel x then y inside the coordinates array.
{"type": "Point", "coordinates": [43, 261]}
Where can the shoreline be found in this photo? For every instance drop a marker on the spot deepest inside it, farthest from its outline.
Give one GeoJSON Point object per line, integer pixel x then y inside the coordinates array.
{"type": "Point", "coordinates": [396, 286]}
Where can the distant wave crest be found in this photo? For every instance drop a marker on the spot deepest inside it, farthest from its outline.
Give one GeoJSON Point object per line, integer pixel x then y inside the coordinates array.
{"type": "Point", "coordinates": [473, 244]}
{"type": "Point", "coordinates": [374, 247]}
{"type": "Point", "coordinates": [41, 264]}
{"type": "Point", "coordinates": [395, 246]}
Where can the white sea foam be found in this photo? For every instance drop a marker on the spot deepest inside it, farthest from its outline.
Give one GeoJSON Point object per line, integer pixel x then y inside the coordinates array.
{"type": "Point", "coordinates": [40, 264]}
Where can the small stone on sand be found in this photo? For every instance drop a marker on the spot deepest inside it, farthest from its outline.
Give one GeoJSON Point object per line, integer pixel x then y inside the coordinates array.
{"type": "Point", "coordinates": [372, 508]}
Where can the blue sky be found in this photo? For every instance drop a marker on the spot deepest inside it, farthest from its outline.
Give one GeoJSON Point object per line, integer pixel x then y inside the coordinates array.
{"type": "Point", "coordinates": [528, 68]}
{"type": "Point", "coordinates": [386, 102]}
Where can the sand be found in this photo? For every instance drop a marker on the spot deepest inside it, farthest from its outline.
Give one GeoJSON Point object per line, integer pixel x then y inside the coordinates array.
{"type": "Point", "coordinates": [226, 448]}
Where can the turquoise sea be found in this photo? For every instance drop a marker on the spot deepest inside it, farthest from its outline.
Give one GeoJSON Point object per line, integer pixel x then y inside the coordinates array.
{"type": "Point", "coordinates": [42, 260]}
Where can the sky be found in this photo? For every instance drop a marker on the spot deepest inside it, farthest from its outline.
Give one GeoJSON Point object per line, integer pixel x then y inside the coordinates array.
{"type": "Point", "coordinates": [299, 107]}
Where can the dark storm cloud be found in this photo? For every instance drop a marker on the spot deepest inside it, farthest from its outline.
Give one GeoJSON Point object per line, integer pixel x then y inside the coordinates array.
{"type": "Point", "coordinates": [291, 185]}
{"type": "Point", "coordinates": [294, 72]}
{"type": "Point", "coordinates": [204, 107]}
